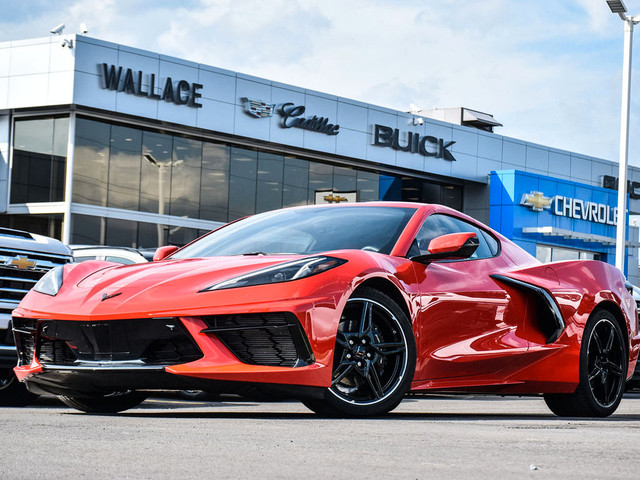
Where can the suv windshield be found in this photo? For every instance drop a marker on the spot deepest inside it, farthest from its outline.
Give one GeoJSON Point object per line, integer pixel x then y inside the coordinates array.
{"type": "Point", "coordinates": [305, 231]}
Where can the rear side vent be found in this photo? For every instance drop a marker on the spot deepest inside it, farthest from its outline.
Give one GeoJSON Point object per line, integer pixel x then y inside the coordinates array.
{"type": "Point", "coordinates": [549, 315]}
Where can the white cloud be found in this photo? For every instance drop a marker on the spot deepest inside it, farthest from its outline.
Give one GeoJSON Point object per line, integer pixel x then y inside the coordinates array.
{"type": "Point", "coordinates": [550, 71]}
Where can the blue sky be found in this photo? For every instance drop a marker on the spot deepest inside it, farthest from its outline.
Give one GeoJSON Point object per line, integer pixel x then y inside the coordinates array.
{"type": "Point", "coordinates": [549, 70]}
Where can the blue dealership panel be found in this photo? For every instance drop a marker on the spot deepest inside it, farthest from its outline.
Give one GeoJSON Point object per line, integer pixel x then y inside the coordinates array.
{"type": "Point", "coordinates": [559, 213]}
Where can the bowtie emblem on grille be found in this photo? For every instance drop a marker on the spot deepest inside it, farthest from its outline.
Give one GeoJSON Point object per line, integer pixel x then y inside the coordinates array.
{"type": "Point", "coordinates": [106, 296]}
{"type": "Point", "coordinates": [21, 263]}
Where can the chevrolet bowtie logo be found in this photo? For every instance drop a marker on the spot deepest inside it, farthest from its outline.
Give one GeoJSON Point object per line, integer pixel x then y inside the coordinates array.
{"type": "Point", "coordinates": [21, 263]}
{"type": "Point", "coordinates": [332, 198]}
{"type": "Point", "coordinates": [536, 201]}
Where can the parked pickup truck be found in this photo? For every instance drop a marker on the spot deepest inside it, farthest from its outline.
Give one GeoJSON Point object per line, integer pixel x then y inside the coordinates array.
{"type": "Point", "coordinates": [24, 258]}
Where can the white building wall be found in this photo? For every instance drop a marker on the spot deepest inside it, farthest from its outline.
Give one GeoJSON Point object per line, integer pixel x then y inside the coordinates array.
{"type": "Point", "coordinates": [36, 72]}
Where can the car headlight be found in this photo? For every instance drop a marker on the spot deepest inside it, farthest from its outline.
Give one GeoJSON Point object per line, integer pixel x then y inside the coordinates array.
{"type": "Point", "coordinates": [50, 283]}
{"type": "Point", "coordinates": [284, 272]}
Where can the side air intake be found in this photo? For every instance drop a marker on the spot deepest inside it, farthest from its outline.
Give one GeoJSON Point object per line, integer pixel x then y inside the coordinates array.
{"type": "Point", "coordinates": [550, 317]}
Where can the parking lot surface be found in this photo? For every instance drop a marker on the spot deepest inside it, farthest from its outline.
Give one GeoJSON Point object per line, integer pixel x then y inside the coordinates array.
{"type": "Point", "coordinates": [432, 437]}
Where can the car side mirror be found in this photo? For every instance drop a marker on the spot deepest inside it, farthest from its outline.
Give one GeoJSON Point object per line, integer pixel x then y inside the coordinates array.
{"type": "Point", "coordinates": [453, 246]}
{"type": "Point", "coordinates": [163, 252]}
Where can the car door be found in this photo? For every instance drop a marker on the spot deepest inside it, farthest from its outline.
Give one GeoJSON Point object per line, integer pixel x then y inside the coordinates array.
{"type": "Point", "coordinates": [466, 325]}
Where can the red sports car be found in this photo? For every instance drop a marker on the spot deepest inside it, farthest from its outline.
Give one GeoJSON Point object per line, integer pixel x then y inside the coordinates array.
{"type": "Point", "coordinates": [345, 307]}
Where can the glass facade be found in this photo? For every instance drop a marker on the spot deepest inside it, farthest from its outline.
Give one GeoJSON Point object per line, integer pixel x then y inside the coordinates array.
{"type": "Point", "coordinates": [133, 169]}
{"type": "Point", "coordinates": [93, 230]}
{"type": "Point", "coordinates": [48, 225]}
{"type": "Point", "coordinates": [138, 170]}
{"type": "Point", "coordinates": [39, 156]}
{"type": "Point", "coordinates": [549, 253]}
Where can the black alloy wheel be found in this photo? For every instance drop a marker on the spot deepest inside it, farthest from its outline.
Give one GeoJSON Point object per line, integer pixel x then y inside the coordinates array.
{"type": "Point", "coordinates": [606, 363]}
{"type": "Point", "coordinates": [109, 403]}
{"type": "Point", "coordinates": [374, 358]}
{"type": "Point", "coordinates": [603, 371]}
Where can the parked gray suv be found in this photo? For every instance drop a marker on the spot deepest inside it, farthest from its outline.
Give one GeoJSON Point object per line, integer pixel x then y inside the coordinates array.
{"type": "Point", "coordinates": [24, 258]}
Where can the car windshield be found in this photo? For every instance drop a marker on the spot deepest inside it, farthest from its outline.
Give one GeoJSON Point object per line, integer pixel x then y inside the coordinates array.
{"type": "Point", "coordinates": [305, 231]}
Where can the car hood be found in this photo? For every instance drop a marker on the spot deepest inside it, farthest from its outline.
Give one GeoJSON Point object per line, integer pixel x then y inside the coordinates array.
{"type": "Point", "coordinates": [206, 271]}
{"type": "Point", "coordinates": [99, 288]}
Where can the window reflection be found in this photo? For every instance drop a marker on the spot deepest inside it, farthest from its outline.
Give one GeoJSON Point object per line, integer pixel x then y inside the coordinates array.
{"type": "Point", "coordinates": [39, 159]}
{"type": "Point", "coordinates": [91, 230]}
{"type": "Point", "coordinates": [368, 186]}
{"type": "Point", "coordinates": [270, 177]}
{"type": "Point", "coordinates": [134, 169]}
{"type": "Point", "coordinates": [185, 177]}
{"type": "Point", "coordinates": [242, 183]}
{"type": "Point", "coordinates": [48, 225]}
{"type": "Point", "coordinates": [155, 180]}
{"type": "Point", "coordinates": [295, 183]}
{"type": "Point", "coordinates": [548, 253]}
{"type": "Point", "coordinates": [124, 168]}
{"type": "Point", "coordinates": [91, 162]}
{"type": "Point", "coordinates": [214, 183]}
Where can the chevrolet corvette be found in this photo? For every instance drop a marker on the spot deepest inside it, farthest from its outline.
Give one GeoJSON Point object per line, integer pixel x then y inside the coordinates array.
{"type": "Point", "coordinates": [347, 308]}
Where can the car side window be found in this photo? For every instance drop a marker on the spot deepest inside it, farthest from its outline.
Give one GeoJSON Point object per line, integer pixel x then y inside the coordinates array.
{"type": "Point", "coordinates": [439, 224]}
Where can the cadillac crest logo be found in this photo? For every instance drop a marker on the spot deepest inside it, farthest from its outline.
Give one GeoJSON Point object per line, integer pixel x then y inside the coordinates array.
{"type": "Point", "coordinates": [536, 201]}
{"type": "Point", "coordinates": [258, 108]}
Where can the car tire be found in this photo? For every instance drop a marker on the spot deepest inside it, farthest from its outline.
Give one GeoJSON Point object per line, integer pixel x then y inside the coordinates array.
{"type": "Point", "coordinates": [12, 392]}
{"type": "Point", "coordinates": [110, 403]}
{"type": "Point", "coordinates": [603, 371]}
{"type": "Point", "coordinates": [374, 359]}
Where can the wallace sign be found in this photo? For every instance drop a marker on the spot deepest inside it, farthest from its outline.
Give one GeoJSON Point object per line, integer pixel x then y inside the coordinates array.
{"type": "Point", "coordinates": [181, 92]}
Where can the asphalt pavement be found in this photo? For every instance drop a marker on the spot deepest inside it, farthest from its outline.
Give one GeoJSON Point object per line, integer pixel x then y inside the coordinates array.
{"type": "Point", "coordinates": [436, 437]}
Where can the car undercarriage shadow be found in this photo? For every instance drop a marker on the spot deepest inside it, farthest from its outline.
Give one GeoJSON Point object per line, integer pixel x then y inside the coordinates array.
{"type": "Point", "coordinates": [170, 407]}
{"type": "Point", "coordinates": [206, 410]}
{"type": "Point", "coordinates": [412, 416]}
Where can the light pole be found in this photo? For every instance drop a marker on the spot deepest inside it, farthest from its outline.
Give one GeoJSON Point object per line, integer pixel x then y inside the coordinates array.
{"type": "Point", "coordinates": [618, 7]}
{"type": "Point", "coordinates": [149, 158]}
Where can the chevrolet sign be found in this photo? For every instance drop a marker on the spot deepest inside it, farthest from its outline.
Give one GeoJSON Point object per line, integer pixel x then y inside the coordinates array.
{"type": "Point", "coordinates": [571, 207]}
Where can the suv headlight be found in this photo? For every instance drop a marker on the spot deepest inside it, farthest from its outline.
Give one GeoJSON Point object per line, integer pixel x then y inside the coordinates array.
{"type": "Point", "coordinates": [284, 272]}
{"type": "Point", "coordinates": [51, 282]}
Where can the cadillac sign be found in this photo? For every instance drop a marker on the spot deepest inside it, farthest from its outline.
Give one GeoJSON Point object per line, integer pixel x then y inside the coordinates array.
{"type": "Point", "coordinates": [292, 116]}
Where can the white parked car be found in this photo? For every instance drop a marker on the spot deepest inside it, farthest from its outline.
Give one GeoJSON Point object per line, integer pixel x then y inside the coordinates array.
{"type": "Point", "coordinates": [123, 255]}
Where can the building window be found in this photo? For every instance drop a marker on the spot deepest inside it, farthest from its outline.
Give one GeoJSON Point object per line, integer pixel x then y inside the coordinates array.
{"type": "Point", "coordinates": [91, 162]}
{"type": "Point", "coordinates": [242, 183]}
{"type": "Point", "coordinates": [295, 182]}
{"type": "Point", "coordinates": [155, 172]}
{"type": "Point", "coordinates": [548, 253]}
{"type": "Point", "coordinates": [48, 225]}
{"type": "Point", "coordinates": [123, 187]}
{"type": "Point", "coordinates": [39, 158]}
{"type": "Point", "coordinates": [214, 182]}
{"type": "Point", "coordinates": [93, 230]}
{"type": "Point", "coordinates": [270, 182]}
{"type": "Point", "coordinates": [140, 170]}
{"type": "Point", "coordinates": [186, 166]}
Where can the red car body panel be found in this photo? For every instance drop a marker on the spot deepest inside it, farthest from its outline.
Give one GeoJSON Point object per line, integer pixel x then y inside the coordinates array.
{"type": "Point", "coordinates": [473, 332]}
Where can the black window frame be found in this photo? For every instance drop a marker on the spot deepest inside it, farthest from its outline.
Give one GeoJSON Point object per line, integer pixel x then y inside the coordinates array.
{"type": "Point", "coordinates": [486, 239]}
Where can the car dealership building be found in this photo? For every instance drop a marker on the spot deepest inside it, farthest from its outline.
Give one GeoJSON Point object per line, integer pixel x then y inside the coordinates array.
{"type": "Point", "coordinates": [102, 143]}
